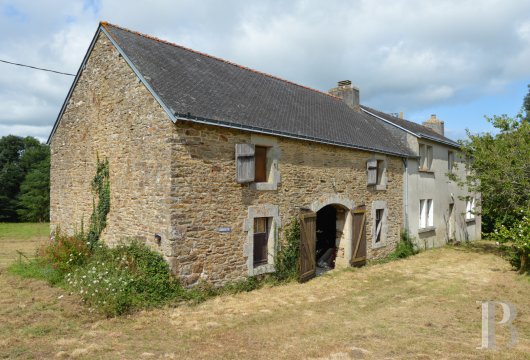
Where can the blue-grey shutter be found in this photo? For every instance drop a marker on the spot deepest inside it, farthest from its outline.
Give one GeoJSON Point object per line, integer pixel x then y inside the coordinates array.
{"type": "Point", "coordinates": [245, 166]}
{"type": "Point", "coordinates": [371, 167]}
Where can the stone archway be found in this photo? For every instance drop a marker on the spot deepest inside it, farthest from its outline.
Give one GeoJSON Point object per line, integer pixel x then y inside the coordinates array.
{"type": "Point", "coordinates": [340, 207]}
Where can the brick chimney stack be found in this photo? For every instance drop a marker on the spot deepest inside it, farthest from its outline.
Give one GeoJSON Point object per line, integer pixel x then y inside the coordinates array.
{"type": "Point", "coordinates": [348, 93]}
{"type": "Point", "coordinates": [435, 124]}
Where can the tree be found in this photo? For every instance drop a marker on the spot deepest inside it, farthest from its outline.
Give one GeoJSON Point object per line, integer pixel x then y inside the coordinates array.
{"type": "Point", "coordinates": [11, 175]}
{"type": "Point", "coordinates": [500, 169]}
{"type": "Point", "coordinates": [34, 197]}
{"type": "Point", "coordinates": [18, 158]}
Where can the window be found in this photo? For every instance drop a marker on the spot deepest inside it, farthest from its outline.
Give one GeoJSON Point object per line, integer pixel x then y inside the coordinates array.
{"type": "Point", "coordinates": [376, 173]}
{"type": "Point", "coordinates": [470, 209]}
{"type": "Point", "coordinates": [380, 170]}
{"type": "Point", "coordinates": [257, 165]}
{"type": "Point", "coordinates": [261, 237]}
{"type": "Point", "coordinates": [260, 171]}
{"type": "Point", "coordinates": [425, 157]}
{"type": "Point", "coordinates": [450, 160]}
{"type": "Point", "coordinates": [378, 224]}
{"type": "Point", "coordinates": [426, 213]}
{"type": "Point", "coordinates": [262, 226]}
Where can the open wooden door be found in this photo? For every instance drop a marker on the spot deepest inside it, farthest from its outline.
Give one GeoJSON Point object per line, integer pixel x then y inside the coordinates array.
{"type": "Point", "coordinates": [308, 231]}
{"type": "Point", "coordinates": [358, 257]}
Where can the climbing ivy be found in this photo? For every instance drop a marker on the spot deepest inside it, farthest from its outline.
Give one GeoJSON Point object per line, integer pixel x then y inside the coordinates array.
{"type": "Point", "coordinates": [287, 256]}
{"type": "Point", "coordinates": [101, 190]}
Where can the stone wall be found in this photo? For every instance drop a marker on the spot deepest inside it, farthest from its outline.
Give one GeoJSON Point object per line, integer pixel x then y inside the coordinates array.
{"type": "Point", "coordinates": [112, 115]}
{"type": "Point", "coordinates": [178, 180]}
{"type": "Point", "coordinates": [207, 197]}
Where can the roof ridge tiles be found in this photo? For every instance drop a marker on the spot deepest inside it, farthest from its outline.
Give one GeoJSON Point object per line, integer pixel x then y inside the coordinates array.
{"type": "Point", "coordinates": [154, 38]}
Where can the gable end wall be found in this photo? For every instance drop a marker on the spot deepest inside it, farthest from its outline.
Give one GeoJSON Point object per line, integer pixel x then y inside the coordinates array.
{"type": "Point", "coordinates": [112, 114]}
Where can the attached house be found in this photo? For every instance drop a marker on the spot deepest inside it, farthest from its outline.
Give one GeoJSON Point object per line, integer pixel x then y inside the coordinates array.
{"type": "Point", "coordinates": [209, 161]}
{"type": "Point", "coordinates": [437, 210]}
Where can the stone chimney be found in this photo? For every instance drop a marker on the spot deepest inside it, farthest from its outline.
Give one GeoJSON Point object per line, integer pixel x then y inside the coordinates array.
{"type": "Point", "coordinates": [348, 93]}
{"type": "Point", "coordinates": [435, 124]}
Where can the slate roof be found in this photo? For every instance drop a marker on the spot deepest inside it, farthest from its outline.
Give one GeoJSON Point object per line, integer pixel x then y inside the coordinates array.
{"type": "Point", "coordinates": [419, 130]}
{"type": "Point", "coordinates": [198, 87]}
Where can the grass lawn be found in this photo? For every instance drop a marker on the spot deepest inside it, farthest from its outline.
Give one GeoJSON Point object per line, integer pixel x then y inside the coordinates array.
{"type": "Point", "coordinates": [423, 307]}
{"type": "Point", "coordinates": [23, 237]}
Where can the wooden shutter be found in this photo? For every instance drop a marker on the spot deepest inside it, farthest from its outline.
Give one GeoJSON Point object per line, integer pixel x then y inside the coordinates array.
{"type": "Point", "coordinates": [245, 163]}
{"type": "Point", "coordinates": [308, 231]}
{"type": "Point", "coordinates": [371, 167]}
{"type": "Point", "coordinates": [358, 257]}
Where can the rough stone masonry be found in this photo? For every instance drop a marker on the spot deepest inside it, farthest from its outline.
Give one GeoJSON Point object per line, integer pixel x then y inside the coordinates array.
{"type": "Point", "coordinates": [178, 179]}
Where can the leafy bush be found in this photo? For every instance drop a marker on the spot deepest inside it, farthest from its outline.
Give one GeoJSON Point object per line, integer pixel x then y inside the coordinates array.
{"type": "Point", "coordinates": [124, 278]}
{"type": "Point", "coordinates": [518, 235]}
{"type": "Point", "coordinates": [64, 252]}
{"type": "Point", "coordinates": [287, 255]}
{"type": "Point", "coordinates": [404, 248]}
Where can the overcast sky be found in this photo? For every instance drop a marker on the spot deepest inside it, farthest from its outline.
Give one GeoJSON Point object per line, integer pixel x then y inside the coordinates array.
{"type": "Point", "coordinates": [458, 59]}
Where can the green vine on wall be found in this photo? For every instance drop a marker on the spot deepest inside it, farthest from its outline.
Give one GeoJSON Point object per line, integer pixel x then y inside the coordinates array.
{"type": "Point", "coordinates": [288, 255]}
{"type": "Point", "coordinates": [101, 190]}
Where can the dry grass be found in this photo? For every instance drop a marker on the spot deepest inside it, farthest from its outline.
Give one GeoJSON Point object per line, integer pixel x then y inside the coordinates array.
{"type": "Point", "coordinates": [19, 240]}
{"type": "Point", "coordinates": [419, 308]}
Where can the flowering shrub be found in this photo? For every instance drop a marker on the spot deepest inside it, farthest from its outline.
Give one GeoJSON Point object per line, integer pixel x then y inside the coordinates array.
{"type": "Point", "coordinates": [65, 252]}
{"type": "Point", "coordinates": [519, 236]}
{"type": "Point", "coordinates": [118, 280]}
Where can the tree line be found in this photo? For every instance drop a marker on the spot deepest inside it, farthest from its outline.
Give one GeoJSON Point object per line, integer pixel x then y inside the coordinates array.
{"type": "Point", "coordinates": [24, 179]}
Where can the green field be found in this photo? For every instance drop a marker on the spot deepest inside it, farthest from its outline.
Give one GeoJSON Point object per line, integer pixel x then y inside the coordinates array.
{"type": "Point", "coordinates": [16, 238]}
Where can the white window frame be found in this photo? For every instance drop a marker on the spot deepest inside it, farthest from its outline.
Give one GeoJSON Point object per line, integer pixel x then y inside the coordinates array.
{"type": "Point", "coordinates": [274, 224]}
{"type": "Point", "coordinates": [379, 205]}
{"type": "Point", "coordinates": [470, 209]}
{"type": "Point", "coordinates": [426, 215]}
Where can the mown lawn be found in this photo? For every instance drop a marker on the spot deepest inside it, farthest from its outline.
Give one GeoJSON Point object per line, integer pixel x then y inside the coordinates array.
{"type": "Point", "coordinates": [423, 307]}
{"type": "Point", "coordinates": [19, 240]}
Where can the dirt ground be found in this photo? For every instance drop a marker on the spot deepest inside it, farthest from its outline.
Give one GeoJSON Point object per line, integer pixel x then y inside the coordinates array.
{"type": "Point", "coordinates": [423, 307]}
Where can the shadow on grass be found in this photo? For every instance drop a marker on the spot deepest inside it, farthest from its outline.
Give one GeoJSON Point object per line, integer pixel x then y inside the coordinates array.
{"type": "Point", "coordinates": [483, 247]}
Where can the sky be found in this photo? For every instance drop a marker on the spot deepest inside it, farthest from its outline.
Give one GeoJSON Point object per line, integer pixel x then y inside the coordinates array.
{"type": "Point", "coordinates": [461, 60]}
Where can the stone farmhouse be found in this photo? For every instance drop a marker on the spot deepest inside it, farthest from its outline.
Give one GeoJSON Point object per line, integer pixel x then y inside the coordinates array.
{"type": "Point", "coordinates": [209, 161]}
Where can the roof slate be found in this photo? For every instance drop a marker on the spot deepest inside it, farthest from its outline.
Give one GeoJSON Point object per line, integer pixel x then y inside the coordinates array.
{"type": "Point", "coordinates": [212, 89]}
{"type": "Point", "coordinates": [418, 129]}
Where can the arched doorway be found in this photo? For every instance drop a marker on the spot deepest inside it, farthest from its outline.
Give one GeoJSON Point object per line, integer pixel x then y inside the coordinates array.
{"type": "Point", "coordinates": [331, 225]}
{"type": "Point", "coordinates": [333, 237]}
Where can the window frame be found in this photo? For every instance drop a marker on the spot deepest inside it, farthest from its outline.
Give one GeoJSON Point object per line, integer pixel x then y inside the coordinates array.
{"type": "Point", "coordinates": [470, 209]}
{"type": "Point", "coordinates": [379, 205]}
{"type": "Point", "coordinates": [450, 160]}
{"type": "Point", "coordinates": [379, 172]}
{"type": "Point", "coordinates": [426, 153]}
{"type": "Point", "coordinates": [261, 168]}
{"type": "Point", "coordinates": [273, 224]}
{"type": "Point", "coordinates": [426, 215]}
{"type": "Point", "coordinates": [257, 234]}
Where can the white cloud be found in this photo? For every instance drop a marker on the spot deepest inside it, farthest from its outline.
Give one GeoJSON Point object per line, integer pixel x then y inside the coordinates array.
{"type": "Point", "coordinates": [404, 55]}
